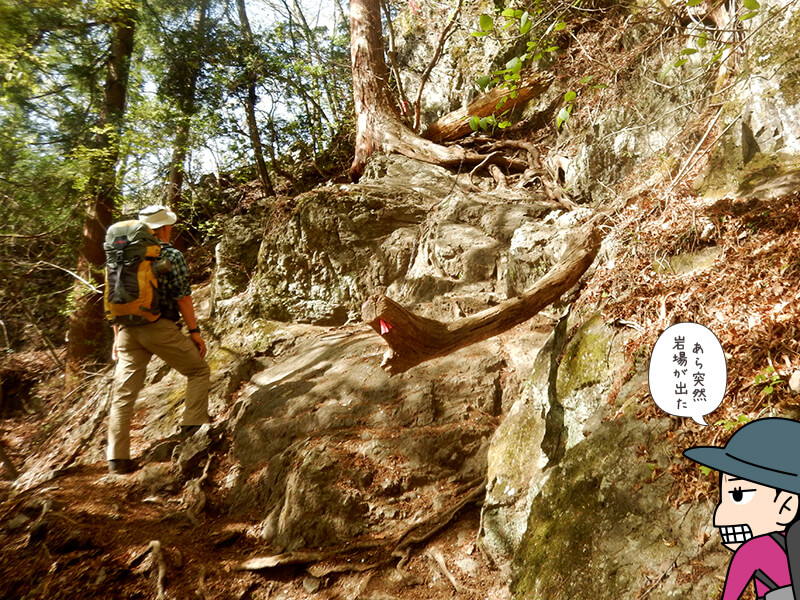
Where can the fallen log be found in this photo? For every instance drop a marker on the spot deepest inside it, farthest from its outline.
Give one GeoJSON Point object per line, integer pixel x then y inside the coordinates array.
{"type": "Point", "coordinates": [413, 339]}
{"type": "Point", "coordinates": [455, 125]}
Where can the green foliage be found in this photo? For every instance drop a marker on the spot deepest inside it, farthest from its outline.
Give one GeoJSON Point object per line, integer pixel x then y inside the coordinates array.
{"type": "Point", "coordinates": [701, 40]}
{"type": "Point", "coordinates": [547, 21]}
{"type": "Point", "coordinates": [729, 425]}
{"type": "Point", "coordinates": [768, 380]}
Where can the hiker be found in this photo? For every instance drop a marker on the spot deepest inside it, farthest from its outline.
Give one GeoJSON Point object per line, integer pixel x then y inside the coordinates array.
{"type": "Point", "coordinates": [134, 345]}
{"type": "Point", "coordinates": [759, 493]}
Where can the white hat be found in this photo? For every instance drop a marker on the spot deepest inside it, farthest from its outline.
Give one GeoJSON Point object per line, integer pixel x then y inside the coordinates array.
{"type": "Point", "coordinates": [156, 216]}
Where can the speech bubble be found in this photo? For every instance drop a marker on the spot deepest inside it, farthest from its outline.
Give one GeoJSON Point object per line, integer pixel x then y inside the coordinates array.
{"type": "Point", "coordinates": [688, 373]}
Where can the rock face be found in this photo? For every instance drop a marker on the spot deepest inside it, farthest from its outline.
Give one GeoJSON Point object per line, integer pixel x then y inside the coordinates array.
{"type": "Point", "coordinates": [412, 231]}
{"type": "Point", "coordinates": [329, 448]}
{"type": "Point", "coordinates": [759, 153]}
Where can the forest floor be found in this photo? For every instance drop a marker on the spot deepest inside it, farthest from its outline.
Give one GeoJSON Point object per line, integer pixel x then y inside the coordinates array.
{"type": "Point", "coordinates": [89, 535]}
{"type": "Point", "coordinates": [86, 534]}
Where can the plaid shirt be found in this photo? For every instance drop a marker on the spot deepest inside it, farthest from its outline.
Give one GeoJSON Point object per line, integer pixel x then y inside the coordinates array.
{"type": "Point", "coordinates": [173, 285]}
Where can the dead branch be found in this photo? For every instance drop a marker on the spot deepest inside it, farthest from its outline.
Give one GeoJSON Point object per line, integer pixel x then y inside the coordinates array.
{"type": "Point", "coordinates": [413, 339]}
{"type": "Point", "coordinates": [455, 125]}
{"type": "Point", "coordinates": [277, 560]}
{"type": "Point", "coordinates": [51, 349]}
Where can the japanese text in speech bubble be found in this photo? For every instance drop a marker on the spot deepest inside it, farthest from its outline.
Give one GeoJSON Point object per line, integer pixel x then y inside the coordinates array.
{"type": "Point", "coordinates": [688, 373]}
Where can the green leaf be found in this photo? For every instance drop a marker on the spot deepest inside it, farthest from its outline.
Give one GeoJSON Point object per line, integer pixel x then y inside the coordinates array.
{"type": "Point", "coordinates": [478, 33]}
{"type": "Point", "coordinates": [681, 61]}
{"type": "Point", "coordinates": [513, 94]}
{"type": "Point", "coordinates": [689, 51]}
{"type": "Point", "coordinates": [525, 23]}
{"type": "Point", "coordinates": [504, 124]}
{"type": "Point", "coordinates": [600, 86]}
{"type": "Point", "coordinates": [563, 115]}
{"type": "Point", "coordinates": [518, 13]}
{"type": "Point", "coordinates": [701, 41]}
{"type": "Point", "coordinates": [691, 3]}
{"type": "Point", "coordinates": [587, 79]}
{"type": "Point", "coordinates": [748, 16]}
{"type": "Point", "coordinates": [570, 96]}
{"type": "Point", "coordinates": [559, 26]}
{"type": "Point", "coordinates": [484, 123]}
{"type": "Point", "coordinates": [487, 23]}
{"type": "Point", "coordinates": [501, 102]}
{"type": "Point", "coordinates": [484, 81]}
{"type": "Point", "coordinates": [552, 48]}
{"type": "Point", "coordinates": [508, 13]}
{"type": "Point", "coordinates": [751, 4]}
{"type": "Point", "coordinates": [705, 470]}
{"type": "Point", "coordinates": [474, 123]}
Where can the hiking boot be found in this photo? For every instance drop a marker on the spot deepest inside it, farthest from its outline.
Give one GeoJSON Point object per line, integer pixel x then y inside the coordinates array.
{"type": "Point", "coordinates": [188, 431]}
{"type": "Point", "coordinates": [121, 466]}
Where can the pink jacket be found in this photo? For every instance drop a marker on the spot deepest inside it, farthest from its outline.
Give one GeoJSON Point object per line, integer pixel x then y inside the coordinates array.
{"type": "Point", "coordinates": [760, 552]}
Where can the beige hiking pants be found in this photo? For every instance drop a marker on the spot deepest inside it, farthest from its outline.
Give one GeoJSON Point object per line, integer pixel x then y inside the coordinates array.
{"type": "Point", "coordinates": [135, 347]}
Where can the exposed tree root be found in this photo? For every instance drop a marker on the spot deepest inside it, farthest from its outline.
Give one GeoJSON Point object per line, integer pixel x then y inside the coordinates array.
{"type": "Point", "coordinates": [335, 560]}
{"type": "Point", "coordinates": [413, 339]}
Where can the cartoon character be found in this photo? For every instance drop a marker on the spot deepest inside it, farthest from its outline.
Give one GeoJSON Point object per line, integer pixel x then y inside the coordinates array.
{"type": "Point", "coordinates": [759, 496]}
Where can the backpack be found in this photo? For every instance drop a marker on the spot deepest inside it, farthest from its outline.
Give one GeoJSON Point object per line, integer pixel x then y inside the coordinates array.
{"type": "Point", "coordinates": [776, 593]}
{"type": "Point", "coordinates": [131, 293]}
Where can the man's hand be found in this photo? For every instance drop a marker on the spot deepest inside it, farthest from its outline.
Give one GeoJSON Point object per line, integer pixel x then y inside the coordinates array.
{"type": "Point", "coordinates": [199, 342]}
{"type": "Point", "coordinates": [114, 352]}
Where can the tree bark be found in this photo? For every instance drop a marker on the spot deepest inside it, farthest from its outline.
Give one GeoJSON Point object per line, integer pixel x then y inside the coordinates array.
{"type": "Point", "coordinates": [86, 320]}
{"type": "Point", "coordinates": [178, 161]}
{"type": "Point", "coordinates": [413, 339]}
{"type": "Point", "coordinates": [455, 125]}
{"type": "Point", "coordinates": [188, 107]}
{"type": "Point", "coordinates": [378, 126]}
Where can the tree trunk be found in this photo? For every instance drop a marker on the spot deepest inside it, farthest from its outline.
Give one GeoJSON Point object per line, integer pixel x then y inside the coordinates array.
{"type": "Point", "coordinates": [250, 107]}
{"type": "Point", "coordinates": [413, 339]}
{"type": "Point", "coordinates": [378, 126]}
{"type": "Point", "coordinates": [188, 107]}
{"type": "Point", "coordinates": [178, 162]}
{"type": "Point", "coordinates": [86, 320]}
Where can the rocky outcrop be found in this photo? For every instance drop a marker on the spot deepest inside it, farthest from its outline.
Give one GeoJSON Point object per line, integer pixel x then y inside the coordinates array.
{"type": "Point", "coordinates": [412, 231]}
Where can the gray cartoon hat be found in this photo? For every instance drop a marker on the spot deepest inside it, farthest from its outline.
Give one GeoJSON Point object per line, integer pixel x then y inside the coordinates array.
{"type": "Point", "coordinates": [765, 451]}
{"type": "Point", "coordinates": [156, 216]}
